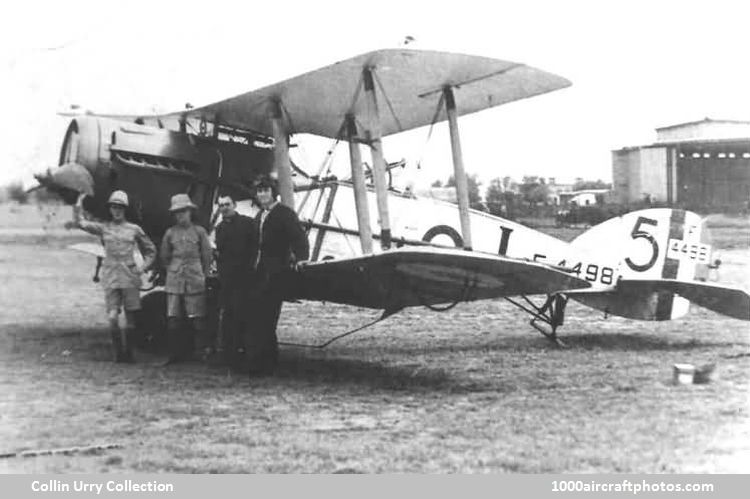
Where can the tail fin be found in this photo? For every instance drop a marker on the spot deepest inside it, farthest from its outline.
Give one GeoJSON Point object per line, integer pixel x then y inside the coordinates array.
{"type": "Point", "coordinates": [650, 245]}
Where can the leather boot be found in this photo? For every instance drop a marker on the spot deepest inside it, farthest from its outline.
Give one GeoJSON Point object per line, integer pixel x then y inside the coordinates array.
{"type": "Point", "coordinates": [175, 341]}
{"type": "Point", "coordinates": [128, 355]}
{"type": "Point", "coordinates": [117, 352]}
{"type": "Point", "coordinates": [202, 347]}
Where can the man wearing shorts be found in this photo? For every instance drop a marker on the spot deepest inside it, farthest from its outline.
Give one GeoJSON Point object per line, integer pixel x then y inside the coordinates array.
{"type": "Point", "coordinates": [121, 277]}
{"type": "Point", "coordinates": [186, 256]}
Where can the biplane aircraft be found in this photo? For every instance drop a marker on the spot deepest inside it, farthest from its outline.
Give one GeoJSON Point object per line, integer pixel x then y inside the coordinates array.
{"type": "Point", "coordinates": [373, 245]}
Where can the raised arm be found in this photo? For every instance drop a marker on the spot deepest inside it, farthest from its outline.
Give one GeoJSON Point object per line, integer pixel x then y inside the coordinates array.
{"type": "Point", "coordinates": [79, 222]}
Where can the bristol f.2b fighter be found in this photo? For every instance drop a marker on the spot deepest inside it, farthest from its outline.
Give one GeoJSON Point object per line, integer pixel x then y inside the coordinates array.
{"type": "Point", "coordinates": [373, 245]}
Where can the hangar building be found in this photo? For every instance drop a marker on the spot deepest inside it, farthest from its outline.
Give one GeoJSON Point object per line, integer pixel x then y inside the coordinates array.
{"type": "Point", "coordinates": [697, 164]}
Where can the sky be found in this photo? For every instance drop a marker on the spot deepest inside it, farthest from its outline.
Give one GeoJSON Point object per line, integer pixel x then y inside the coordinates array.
{"type": "Point", "coordinates": [634, 66]}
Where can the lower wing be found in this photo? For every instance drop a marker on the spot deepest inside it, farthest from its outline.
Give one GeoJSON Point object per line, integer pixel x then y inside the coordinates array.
{"type": "Point", "coordinates": [428, 276]}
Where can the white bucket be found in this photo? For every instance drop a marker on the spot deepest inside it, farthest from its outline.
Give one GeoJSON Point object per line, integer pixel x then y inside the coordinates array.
{"type": "Point", "coordinates": [683, 374]}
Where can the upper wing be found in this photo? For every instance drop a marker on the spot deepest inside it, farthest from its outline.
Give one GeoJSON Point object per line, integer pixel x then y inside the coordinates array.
{"type": "Point", "coordinates": [725, 300]}
{"type": "Point", "coordinates": [409, 277]}
{"type": "Point", "coordinates": [408, 83]}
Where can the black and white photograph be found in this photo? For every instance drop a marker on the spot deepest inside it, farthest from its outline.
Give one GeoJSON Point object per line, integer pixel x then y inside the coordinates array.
{"type": "Point", "coordinates": [377, 237]}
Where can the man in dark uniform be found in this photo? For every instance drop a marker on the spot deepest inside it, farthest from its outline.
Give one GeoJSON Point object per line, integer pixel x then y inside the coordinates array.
{"type": "Point", "coordinates": [283, 247]}
{"type": "Point", "coordinates": [237, 248]}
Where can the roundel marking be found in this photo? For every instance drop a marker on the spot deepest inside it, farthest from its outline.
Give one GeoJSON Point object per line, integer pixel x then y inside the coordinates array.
{"type": "Point", "coordinates": [444, 230]}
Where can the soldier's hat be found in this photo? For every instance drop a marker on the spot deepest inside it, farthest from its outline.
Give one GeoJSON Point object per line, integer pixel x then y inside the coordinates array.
{"type": "Point", "coordinates": [118, 198]}
{"type": "Point", "coordinates": [181, 202]}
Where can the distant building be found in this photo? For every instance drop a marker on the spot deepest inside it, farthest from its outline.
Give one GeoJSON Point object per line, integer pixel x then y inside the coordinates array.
{"type": "Point", "coordinates": [556, 190]}
{"type": "Point", "coordinates": [587, 197]}
{"type": "Point", "coordinates": [700, 163]}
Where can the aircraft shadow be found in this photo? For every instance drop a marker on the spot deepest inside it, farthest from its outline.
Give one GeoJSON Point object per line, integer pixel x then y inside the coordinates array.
{"type": "Point", "coordinates": [330, 370]}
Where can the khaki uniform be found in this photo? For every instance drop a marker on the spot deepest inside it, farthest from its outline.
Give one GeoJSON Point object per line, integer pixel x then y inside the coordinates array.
{"type": "Point", "coordinates": [186, 254]}
{"type": "Point", "coordinates": [120, 275]}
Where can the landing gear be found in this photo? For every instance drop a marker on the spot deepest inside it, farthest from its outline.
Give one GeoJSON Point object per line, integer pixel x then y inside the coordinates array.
{"type": "Point", "coordinates": [551, 313]}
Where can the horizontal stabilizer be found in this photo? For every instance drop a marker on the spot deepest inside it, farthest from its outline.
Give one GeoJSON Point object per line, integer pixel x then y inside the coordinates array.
{"type": "Point", "coordinates": [428, 276]}
{"type": "Point", "coordinates": [725, 300]}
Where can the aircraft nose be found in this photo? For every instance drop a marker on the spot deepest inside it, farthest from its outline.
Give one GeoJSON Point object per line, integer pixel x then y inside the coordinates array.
{"type": "Point", "coordinates": [70, 176]}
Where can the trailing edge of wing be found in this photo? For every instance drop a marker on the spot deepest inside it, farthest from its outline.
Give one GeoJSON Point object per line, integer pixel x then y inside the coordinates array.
{"type": "Point", "coordinates": [428, 276]}
{"type": "Point", "coordinates": [726, 300]}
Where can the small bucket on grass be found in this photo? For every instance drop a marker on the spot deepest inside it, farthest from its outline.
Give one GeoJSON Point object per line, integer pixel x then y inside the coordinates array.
{"type": "Point", "coordinates": [683, 374]}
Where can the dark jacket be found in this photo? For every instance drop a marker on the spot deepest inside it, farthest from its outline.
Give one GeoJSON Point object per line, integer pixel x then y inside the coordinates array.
{"type": "Point", "coordinates": [236, 246]}
{"type": "Point", "coordinates": [282, 241]}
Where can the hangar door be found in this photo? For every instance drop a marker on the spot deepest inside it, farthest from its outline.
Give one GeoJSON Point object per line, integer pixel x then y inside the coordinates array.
{"type": "Point", "coordinates": [714, 178]}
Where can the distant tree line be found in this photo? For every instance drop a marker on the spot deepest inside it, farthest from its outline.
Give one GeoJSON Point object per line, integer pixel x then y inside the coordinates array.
{"type": "Point", "coordinates": [510, 199]}
{"type": "Point", "coordinates": [15, 192]}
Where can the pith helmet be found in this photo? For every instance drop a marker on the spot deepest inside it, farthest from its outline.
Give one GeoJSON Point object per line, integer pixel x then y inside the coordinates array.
{"type": "Point", "coordinates": [181, 202]}
{"type": "Point", "coordinates": [119, 198]}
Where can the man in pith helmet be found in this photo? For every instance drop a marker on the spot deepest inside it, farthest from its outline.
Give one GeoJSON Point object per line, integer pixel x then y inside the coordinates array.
{"type": "Point", "coordinates": [186, 256]}
{"type": "Point", "coordinates": [121, 276]}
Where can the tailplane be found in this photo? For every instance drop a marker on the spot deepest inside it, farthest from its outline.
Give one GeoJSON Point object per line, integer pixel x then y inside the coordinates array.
{"type": "Point", "coordinates": [663, 257]}
{"type": "Point", "coordinates": [725, 300]}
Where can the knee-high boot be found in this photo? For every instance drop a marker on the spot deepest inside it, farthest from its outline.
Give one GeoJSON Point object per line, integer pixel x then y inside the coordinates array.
{"type": "Point", "coordinates": [175, 341]}
{"type": "Point", "coordinates": [116, 336]}
{"type": "Point", "coordinates": [128, 355]}
{"type": "Point", "coordinates": [202, 344]}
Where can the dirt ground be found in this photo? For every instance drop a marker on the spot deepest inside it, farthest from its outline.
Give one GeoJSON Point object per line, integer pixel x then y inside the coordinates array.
{"type": "Point", "coordinates": [474, 389]}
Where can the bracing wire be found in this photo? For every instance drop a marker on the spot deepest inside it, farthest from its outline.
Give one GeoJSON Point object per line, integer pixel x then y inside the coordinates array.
{"type": "Point", "coordinates": [432, 126]}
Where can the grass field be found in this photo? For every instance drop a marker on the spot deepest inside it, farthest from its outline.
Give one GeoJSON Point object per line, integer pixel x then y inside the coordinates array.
{"type": "Point", "coordinates": [474, 389]}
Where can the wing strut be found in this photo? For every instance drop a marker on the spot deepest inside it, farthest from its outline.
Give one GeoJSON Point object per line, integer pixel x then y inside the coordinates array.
{"type": "Point", "coordinates": [281, 162]}
{"type": "Point", "coordinates": [462, 186]}
{"type": "Point", "coordinates": [378, 161]}
{"type": "Point", "coordinates": [360, 190]}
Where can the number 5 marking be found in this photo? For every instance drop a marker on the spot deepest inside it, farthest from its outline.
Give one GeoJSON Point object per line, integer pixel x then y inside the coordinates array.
{"type": "Point", "coordinates": [636, 234]}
